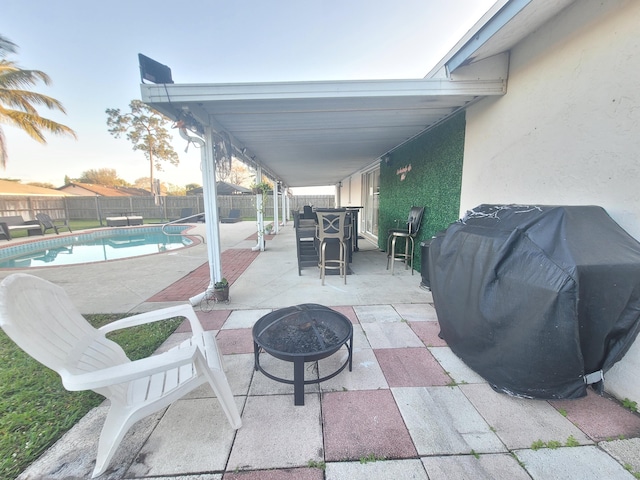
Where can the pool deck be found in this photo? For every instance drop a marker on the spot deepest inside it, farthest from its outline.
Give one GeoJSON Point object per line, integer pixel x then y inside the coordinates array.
{"type": "Point", "coordinates": [410, 409]}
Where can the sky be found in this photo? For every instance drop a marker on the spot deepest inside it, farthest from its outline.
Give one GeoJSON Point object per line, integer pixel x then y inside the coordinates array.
{"type": "Point", "coordinates": [90, 51]}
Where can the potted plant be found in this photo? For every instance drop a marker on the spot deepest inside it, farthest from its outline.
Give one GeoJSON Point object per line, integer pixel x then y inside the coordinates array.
{"type": "Point", "coordinates": [262, 187]}
{"type": "Point", "coordinates": [221, 290]}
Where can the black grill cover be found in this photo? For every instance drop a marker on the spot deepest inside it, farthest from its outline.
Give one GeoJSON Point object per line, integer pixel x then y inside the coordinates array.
{"type": "Point", "coordinates": [534, 298]}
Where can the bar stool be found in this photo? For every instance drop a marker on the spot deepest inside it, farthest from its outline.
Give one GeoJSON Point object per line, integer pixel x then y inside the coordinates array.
{"type": "Point", "coordinates": [409, 234]}
{"type": "Point", "coordinates": [331, 229]}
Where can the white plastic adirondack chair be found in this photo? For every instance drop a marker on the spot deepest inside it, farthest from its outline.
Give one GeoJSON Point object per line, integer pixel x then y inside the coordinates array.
{"type": "Point", "coordinates": [40, 318]}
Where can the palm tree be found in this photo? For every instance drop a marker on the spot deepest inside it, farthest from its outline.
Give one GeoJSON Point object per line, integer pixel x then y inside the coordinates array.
{"type": "Point", "coordinates": [17, 105]}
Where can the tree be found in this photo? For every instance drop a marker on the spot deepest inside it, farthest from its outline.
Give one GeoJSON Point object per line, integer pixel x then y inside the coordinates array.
{"type": "Point", "coordinates": [143, 183]}
{"type": "Point", "coordinates": [17, 104]}
{"type": "Point", "coordinates": [238, 174]}
{"type": "Point", "coordinates": [175, 190]}
{"type": "Point", "coordinates": [146, 130]}
{"type": "Point", "coordinates": [42, 184]}
{"type": "Point", "coordinates": [102, 176]}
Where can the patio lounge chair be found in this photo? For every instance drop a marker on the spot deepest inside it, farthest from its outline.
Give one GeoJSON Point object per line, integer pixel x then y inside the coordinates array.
{"type": "Point", "coordinates": [16, 222]}
{"type": "Point", "coordinates": [48, 223]}
{"type": "Point", "coordinates": [187, 216]}
{"type": "Point", "coordinates": [234, 216]}
{"type": "Point", "coordinates": [39, 317]}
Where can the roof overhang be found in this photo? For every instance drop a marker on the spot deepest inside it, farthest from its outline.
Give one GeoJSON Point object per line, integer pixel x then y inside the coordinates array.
{"type": "Point", "coordinates": [318, 133]}
{"type": "Point", "coordinates": [505, 24]}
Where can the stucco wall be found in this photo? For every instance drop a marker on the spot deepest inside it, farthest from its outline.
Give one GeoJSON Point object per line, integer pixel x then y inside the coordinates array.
{"type": "Point", "coordinates": [568, 129]}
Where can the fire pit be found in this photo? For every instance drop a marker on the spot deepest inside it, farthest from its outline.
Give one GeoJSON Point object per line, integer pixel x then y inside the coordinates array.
{"type": "Point", "coordinates": [299, 334]}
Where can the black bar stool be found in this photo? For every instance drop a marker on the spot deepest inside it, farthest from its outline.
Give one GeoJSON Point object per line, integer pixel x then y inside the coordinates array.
{"type": "Point", "coordinates": [409, 234]}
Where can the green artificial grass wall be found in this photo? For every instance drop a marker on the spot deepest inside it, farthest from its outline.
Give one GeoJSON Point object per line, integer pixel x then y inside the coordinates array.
{"type": "Point", "coordinates": [424, 172]}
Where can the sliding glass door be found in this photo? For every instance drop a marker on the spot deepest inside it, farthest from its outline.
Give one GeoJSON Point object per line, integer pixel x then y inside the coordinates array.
{"type": "Point", "coordinates": [370, 201]}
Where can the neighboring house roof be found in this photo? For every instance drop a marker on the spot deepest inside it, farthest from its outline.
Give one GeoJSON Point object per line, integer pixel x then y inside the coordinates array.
{"type": "Point", "coordinates": [16, 188]}
{"type": "Point", "coordinates": [223, 188]}
{"type": "Point", "coordinates": [103, 191]}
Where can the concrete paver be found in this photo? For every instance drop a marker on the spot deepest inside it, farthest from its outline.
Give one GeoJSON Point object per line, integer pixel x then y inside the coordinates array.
{"type": "Point", "coordinates": [599, 417]}
{"type": "Point", "coordinates": [416, 312]}
{"type": "Point", "coordinates": [376, 313]}
{"type": "Point", "coordinates": [570, 463]}
{"type": "Point", "coordinates": [277, 434]}
{"type": "Point", "coordinates": [391, 335]}
{"type": "Point", "coordinates": [387, 469]}
{"type": "Point", "coordinates": [366, 373]}
{"type": "Point", "coordinates": [364, 424]}
{"type": "Point", "coordinates": [521, 422]}
{"type": "Point", "coordinates": [455, 368]}
{"type": "Point", "coordinates": [312, 473]}
{"type": "Point", "coordinates": [411, 367]}
{"type": "Point", "coordinates": [203, 449]}
{"type": "Point", "coordinates": [625, 451]}
{"type": "Point", "coordinates": [236, 340]}
{"type": "Point", "coordinates": [442, 421]}
{"type": "Point", "coordinates": [428, 332]}
{"type": "Point", "coordinates": [475, 467]}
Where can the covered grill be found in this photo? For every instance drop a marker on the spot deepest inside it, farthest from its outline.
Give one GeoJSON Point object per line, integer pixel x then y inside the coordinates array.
{"type": "Point", "coordinates": [539, 300]}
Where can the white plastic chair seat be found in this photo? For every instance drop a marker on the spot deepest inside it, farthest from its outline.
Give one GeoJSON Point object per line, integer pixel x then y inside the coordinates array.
{"type": "Point", "coordinates": [39, 317]}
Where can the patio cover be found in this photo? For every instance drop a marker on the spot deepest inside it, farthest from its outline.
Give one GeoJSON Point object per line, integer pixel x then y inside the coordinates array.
{"type": "Point", "coordinates": [539, 300]}
{"type": "Point", "coordinates": [317, 133]}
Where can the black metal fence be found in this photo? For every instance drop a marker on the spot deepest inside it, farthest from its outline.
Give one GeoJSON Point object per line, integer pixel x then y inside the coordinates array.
{"type": "Point", "coordinates": [98, 208]}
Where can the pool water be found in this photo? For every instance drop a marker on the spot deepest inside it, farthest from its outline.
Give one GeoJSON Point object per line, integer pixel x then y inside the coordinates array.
{"type": "Point", "coordinates": [97, 246]}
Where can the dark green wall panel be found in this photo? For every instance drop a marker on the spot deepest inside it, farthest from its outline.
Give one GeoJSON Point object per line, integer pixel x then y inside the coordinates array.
{"type": "Point", "coordinates": [425, 172]}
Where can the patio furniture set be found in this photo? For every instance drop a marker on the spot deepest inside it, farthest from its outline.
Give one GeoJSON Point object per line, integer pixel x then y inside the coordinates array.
{"type": "Point", "coordinates": [327, 238]}
{"type": "Point", "coordinates": [124, 219]}
{"type": "Point", "coordinates": [39, 226]}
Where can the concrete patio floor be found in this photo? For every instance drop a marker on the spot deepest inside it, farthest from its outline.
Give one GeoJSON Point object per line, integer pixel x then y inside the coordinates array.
{"type": "Point", "coordinates": [410, 409]}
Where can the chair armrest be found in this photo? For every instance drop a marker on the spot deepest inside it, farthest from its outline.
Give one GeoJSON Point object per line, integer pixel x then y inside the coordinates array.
{"type": "Point", "coordinates": [130, 371]}
{"type": "Point", "coordinates": [184, 310]}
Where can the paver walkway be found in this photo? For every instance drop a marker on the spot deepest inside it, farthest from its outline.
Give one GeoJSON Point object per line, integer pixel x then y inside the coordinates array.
{"type": "Point", "coordinates": [234, 262]}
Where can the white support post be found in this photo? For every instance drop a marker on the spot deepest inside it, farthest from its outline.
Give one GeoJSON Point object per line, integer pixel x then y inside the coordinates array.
{"type": "Point", "coordinates": [276, 222]}
{"type": "Point", "coordinates": [285, 200]}
{"type": "Point", "coordinates": [259, 214]}
{"type": "Point", "coordinates": [212, 224]}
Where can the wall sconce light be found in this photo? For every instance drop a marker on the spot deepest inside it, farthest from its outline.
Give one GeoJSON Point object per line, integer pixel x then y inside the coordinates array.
{"type": "Point", "coordinates": [386, 159]}
{"type": "Point", "coordinates": [244, 150]}
{"type": "Point", "coordinates": [340, 184]}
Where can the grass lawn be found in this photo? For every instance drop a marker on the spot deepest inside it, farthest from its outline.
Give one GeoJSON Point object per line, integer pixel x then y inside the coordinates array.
{"type": "Point", "coordinates": [35, 410]}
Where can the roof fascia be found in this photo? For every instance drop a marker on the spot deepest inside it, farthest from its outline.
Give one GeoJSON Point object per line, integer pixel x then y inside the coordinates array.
{"type": "Point", "coordinates": [492, 21]}
{"type": "Point", "coordinates": [485, 32]}
{"type": "Point", "coordinates": [181, 93]}
{"type": "Point", "coordinates": [495, 66]}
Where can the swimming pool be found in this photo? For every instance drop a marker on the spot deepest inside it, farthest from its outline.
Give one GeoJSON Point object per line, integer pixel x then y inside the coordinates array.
{"type": "Point", "coordinates": [95, 246]}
